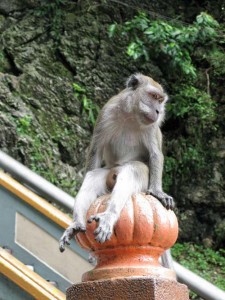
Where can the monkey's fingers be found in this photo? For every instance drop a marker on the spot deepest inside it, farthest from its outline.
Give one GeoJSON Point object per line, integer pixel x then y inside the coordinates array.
{"type": "Point", "coordinates": [81, 229]}
{"type": "Point", "coordinates": [62, 244]}
{"type": "Point", "coordinates": [61, 247]}
{"type": "Point", "coordinates": [103, 236]}
{"type": "Point", "coordinates": [67, 240]}
{"type": "Point", "coordinates": [64, 241]}
{"type": "Point", "coordinates": [100, 237]}
{"type": "Point", "coordinates": [97, 230]}
{"type": "Point", "coordinates": [108, 236]}
{"type": "Point", "coordinates": [66, 237]}
{"type": "Point", "coordinates": [170, 203]}
{"type": "Point", "coordinates": [166, 200]}
{"type": "Point", "coordinates": [92, 218]}
{"type": "Point", "coordinates": [103, 232]}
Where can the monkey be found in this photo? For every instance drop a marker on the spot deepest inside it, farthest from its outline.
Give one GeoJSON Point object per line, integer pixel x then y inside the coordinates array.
{"type": "Point", "coordinates": [125, 156]}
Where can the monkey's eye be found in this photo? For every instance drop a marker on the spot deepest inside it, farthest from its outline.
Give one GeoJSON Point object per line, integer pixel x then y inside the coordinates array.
{"type": "Point", "coordinates": [156, 96]}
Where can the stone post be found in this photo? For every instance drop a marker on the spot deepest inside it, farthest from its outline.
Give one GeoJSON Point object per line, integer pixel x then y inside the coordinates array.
{"type": "Point", "coordinates": [128, 264]}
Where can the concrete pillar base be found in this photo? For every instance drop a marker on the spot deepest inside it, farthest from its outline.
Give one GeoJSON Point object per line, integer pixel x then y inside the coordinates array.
{"type": "Point", "coordinates": [141, 288]}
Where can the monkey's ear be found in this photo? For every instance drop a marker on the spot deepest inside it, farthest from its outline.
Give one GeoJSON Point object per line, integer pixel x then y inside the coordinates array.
{"type": "Point", "coordinates": [132, 82]}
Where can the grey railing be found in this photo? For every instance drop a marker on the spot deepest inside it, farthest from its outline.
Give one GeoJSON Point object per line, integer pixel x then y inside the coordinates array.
{"type": "Point", "coordinates": [200, 286]}
{"type": "Point", "coordinates": [34, 181]}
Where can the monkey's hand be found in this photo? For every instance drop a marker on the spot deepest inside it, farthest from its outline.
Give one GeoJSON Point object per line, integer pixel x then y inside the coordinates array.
{"type": "Point", "coordinates": [165, 199]}
{"type": "Point", "coordinates": [104, 230]}
{"type": "Point", "coordinates": [69, 233]}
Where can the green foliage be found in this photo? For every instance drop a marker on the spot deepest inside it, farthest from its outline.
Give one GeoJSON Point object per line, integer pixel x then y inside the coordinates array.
{"type": "Point", "coordinates": [137, 49]}
{"type": "Point", "coordinates": [205, 262]}
{"type": "Point", "coordinates": [172, 42]}
{"type": "Point", "coordinates": [216, 59]}
{"type": "Point", "coordinates": [88, 106]}
{"type": "Point", "coordinates": [170, 167]}
{"type": "Point", "coordinates": [112, 30]}
{"type": "Point", "coordinates": [192, 156]}
{"type": "Point", "coordinates": [191, 101]}
{"type": "Point", "coordinates": [187, 160]}
{"type": "Point", "coordinates": [23, 124]}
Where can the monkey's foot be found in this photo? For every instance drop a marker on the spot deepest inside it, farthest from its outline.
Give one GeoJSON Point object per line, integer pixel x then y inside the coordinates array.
{"type": "Point", "coordinates": [105, 228]}
{"type": "Point", "coordinates": [166, 200]}
{"type": "Point", "coordinates": [69, 233]}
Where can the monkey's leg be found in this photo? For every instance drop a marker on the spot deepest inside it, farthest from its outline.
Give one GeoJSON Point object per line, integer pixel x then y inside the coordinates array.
{"type": "Point", "coordinates": [93, 186]}
{"type": "Point", "coordinates": [131, 178]}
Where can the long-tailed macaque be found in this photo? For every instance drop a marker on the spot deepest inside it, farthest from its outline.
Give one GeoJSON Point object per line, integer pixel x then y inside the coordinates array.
{"type": "Point", "coordinates": [125, 156]}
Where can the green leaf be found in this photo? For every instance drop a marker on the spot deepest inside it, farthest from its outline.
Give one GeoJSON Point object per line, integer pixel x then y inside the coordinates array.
{"type": "Point", "coordinates": [112, 30]}
{"type": "Point", "coordinates": [85, 102]}
{"type": "Point", "coordinates": [78, 88]}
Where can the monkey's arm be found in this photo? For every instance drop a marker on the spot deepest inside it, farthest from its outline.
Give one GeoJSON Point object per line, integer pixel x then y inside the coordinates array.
{"type": "Point", "coordinates": [95, 151]}
{"type": "Point", "coordinates": [94, 156]}
{"type": "Point", "coordinates": [156, 160]}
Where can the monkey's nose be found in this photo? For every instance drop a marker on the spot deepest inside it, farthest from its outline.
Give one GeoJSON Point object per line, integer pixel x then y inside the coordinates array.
{"type": "Point", "coordinates": [157, 111]}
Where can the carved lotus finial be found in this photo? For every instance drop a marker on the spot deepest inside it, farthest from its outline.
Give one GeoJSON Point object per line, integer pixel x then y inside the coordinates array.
{"type": "Point", "coordinates": [143, 232]}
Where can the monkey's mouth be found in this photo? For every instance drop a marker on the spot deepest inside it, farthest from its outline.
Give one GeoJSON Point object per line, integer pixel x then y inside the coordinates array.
{"type": "Point", "coordinates": [149, 119]}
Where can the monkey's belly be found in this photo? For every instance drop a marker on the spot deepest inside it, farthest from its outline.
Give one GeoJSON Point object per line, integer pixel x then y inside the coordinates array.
{"type": "Point", "coordinates": [113, 159]}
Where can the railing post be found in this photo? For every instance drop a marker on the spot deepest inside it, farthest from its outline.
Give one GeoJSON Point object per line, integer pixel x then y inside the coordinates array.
{"type": "Point", "coordinates": [128, 264]}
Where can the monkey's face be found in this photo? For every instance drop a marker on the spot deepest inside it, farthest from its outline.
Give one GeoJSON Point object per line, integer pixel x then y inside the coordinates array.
{"type": "Point", "coordinates": [148, 99]}
{"type": "Point", "coordinates": [150, 105]}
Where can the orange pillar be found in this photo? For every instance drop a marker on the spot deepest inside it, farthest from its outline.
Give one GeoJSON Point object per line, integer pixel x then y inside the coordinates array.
{"type": "Point", "coordinates": [128, 264]}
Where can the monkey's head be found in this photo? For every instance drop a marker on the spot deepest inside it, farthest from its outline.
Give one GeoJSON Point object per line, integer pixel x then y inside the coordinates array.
{"type": "Point", "coordinates": [148, 99]}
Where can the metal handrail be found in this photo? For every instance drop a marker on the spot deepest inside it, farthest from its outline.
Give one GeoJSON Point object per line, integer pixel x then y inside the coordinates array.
{"type": "Point", "coordinates": [200, 286]}
{"type": "Point", "coordinates": [34, 181]}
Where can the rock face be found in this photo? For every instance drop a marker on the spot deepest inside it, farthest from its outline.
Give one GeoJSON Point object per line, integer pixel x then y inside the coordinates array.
{"type": "Point", "coordinates": [7, 7]}
{"type": "Point", "coordinates": [46, 47]}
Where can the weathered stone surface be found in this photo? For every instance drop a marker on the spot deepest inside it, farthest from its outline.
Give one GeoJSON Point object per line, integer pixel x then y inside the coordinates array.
{"type": "Point", "coordinates": [128, 288]}
{"type": "Point", "coordinates": [7, 7]}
